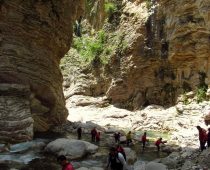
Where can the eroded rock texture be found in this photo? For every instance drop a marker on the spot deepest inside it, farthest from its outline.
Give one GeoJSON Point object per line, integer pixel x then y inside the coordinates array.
{"type": "Point", "coordinates": [94, 12]}
{"type": "Point", "coordinates": [34, 35]}
{"type": "Point", "coordinates": [16, 121]}
{"type": "Point", "coordinates": [169, 51]}
{"type": "Point", "coordinates": [163, 52]}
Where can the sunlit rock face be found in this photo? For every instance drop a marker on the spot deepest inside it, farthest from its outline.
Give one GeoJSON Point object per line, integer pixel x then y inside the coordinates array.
{"type": "Point", "coordinates": [187, 26]}
{"type": "Point", "coordinates": [168, 52]}
{"type": "Point", "coordinates": [34, 35]}
{"type": "Point", "coordinates": [95, 13]}
{"type": "Point", "coordinates": [164, 53]}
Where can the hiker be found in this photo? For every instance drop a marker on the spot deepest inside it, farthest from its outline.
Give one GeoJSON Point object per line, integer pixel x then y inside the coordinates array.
{"type": "Point", "coordinates": [79, 133]}
{"type": "Point", "coordinates": [128, 138]}
{"type": "Point", "coordinates": [64, 163]}
{"type": "Point", "coordinates": [93, 134]}
{"type": "Point", "coordinates": [208, 139]}
{"type": "Point", "coordinates": [202, 137]}
{"type": "Point", "coordinates": [98, 137]}
{"type": "Point", "coordinates": [120, 149]}
{"type": "Point", "coordinates": [116, 160]}
{"type": "Point", "coordinates": [144, 140]}
{"type": "Point", "coordinates": [117, 137]}
{"type": "Point", "coordinates": [158, 142]}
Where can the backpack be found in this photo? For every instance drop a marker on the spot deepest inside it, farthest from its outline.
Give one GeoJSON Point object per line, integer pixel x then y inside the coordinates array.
{"type": "Point", "coordinates": [121, 150]}
{"type": "Point", "coordinates": [114, 163]}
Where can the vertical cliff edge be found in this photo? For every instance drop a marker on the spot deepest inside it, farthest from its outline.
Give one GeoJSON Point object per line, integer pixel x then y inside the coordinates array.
{"type": "Point", "coordinates": [34, 36]}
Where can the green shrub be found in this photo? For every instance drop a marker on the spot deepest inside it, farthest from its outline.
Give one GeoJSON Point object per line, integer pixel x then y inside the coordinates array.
{"type": "Point", "coordinates": [185, 99]}
{"type": "Point", "coordinates": [110, 8]}
{"type": "Point", "coordinates": [102, 36]}
{"type": "Point", "coordinates": [201, 94]}
{"type": "Point", "coordinates": [91, 47]}
{"type": "Point", "coordinates": [100, 47]}
{"type": "Point", "coordinates": [148, 4]}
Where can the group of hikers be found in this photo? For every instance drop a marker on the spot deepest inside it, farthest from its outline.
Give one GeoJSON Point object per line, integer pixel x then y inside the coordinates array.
{"type": "Point", "coordinates": [204, 137]}
{"type": "Point", "coordinates": [95, 135]}
{"type": "Point", "coordinates": [143, 140]}
{"type": "Point", "coordinates": [117, 156]}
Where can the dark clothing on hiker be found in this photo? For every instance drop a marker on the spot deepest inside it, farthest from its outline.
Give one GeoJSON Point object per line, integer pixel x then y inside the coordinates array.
{"type": "Point", "coordinates": [98, 137]}
{"type": "Point", "coordinates": [202, 138]}
{"type": "Point", "coordinates": [116, 161]}
{"type": "Point", "coordinates": [117, 137]}
{"type": "Point", "coordinates": [208, 139]}
{"type": "Point", "coordinates": [93, 134]}
{"type": "Point", "coordinates": [79, 132]}
{"type": "Point", "coordinates": [144, 139]}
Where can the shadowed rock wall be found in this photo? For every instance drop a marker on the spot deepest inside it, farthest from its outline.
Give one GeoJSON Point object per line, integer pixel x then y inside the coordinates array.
{"type": "Point", "coordinates": [34, 35]}
{"type": "Point", "coordinates": [16, 121]}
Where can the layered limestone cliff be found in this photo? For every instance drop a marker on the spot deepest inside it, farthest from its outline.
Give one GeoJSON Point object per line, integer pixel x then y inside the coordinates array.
{"type": "Point", "coordinates": [34, 36]}
{"type": "Point", "coordinates": [162, 52]}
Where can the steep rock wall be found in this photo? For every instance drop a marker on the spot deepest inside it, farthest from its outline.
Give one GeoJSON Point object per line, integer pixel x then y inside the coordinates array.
{"type": "Point", "coordinates": [166, 53]}
{"type": "Point", "coordinates": [170, 50]}
{"type": "Point", "coordinates": [34, 35]}
{"type": "Point", "coordinates": [94, 13]}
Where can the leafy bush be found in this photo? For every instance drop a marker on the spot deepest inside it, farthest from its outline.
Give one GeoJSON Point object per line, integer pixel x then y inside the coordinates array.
{"type": "Point", "coordinates": [102, 36]}
{"type": "Point", "coordinates": [91, 48]}
{"type": "Point", "coordinates": [99, 47]}
{"type": "Point", "coordinates": [110, 8]}
{"type": "Point", "coordinates": [185, 99]}
{"type": "Point", "coordinates": [148, 4]}
{"type": "Point", "coordinates": [201, 94]}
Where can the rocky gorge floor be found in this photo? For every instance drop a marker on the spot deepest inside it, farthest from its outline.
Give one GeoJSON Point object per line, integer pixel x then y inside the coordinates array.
{"type": "Point", "coordinates": [175, 124]}
{"type": "Point", "coordinates": [178, 122]}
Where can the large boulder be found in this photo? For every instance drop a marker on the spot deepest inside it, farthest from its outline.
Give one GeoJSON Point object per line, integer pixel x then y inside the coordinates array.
{"type": "Point", "coordinates": [71, 148]}
{"type": "Point", "coordinates": [155, 166]}
{"type": "Point", "coordinates": [130, 155]}
{"type": "Point", "coordinates": [140, 165]}
{"type": "Point", "coordinates": [92, 168]}
{"type": "Point", "coordinates": [172, 160]}
{"type": "Point", "coordinates": [204, 158]}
